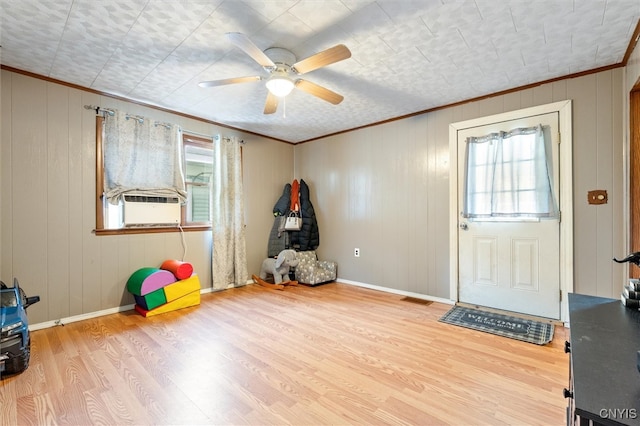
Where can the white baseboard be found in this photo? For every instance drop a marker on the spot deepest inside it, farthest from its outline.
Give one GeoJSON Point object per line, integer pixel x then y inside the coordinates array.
{"type": "Point", "coordinates": [96, 314]}
{"type": "Point", "coordinates": [394, 291]}
{"type": "Point", "coordinates": [75, 318]}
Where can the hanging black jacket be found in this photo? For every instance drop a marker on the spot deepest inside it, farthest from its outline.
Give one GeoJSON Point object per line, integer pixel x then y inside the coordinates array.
{"type": "Point", "coordinates": [308, 237]}
{"type": "Point", "coordinates": [281, 208]}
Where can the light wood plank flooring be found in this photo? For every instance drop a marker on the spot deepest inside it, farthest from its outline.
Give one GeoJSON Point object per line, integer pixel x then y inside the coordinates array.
{"type": "Point", "coordinates": [332, 354]}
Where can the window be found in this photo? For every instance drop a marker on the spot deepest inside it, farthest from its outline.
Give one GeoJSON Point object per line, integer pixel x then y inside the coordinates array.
{"type": "Point", "coordinates": [195, 214]}
{"type": "Point", "coordinates": [198, 159]}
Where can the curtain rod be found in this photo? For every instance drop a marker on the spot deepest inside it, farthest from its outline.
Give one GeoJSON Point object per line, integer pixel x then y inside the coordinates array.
{"type": "Point", "coordinates": [226, 138]}
{"type": "Point", "coordinates": [111, 112]}
{"type": "Point", "coordinates": [138, 118]}
{"type": "Point", "coordinates": [99, 109]}
{"type": "Point", "coordinates": [203, 135]}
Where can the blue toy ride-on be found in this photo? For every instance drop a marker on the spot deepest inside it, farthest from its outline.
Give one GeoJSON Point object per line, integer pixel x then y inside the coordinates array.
{"type": "Point", "coordinates": [15, 341]}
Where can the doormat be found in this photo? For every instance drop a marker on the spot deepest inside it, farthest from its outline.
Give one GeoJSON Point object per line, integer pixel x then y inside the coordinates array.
{"type": "Point", "coordinates": [523, 329]}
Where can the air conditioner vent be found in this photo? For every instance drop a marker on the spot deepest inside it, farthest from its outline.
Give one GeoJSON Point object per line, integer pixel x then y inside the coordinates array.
{"type": "Point", "coordinates": [148, 199]}
{"type": "Point", "coordinates": [146, 210]}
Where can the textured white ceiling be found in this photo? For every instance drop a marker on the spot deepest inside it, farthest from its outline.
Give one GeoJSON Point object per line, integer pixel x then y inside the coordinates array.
{"type": "Point", "coordinates": [407, 55]}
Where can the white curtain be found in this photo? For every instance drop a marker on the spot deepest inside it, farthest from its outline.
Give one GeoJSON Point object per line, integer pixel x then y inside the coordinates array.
{"type": "Point", "coordinates": [508, 174]}
{"type": "Point", "coordinates": [142, 156]}
{"type": "Point", "coordinates": [229, 261]}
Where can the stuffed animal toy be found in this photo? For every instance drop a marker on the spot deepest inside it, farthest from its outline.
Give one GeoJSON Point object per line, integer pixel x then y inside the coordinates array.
{"type": "Point", "coordinates": [279, 267]}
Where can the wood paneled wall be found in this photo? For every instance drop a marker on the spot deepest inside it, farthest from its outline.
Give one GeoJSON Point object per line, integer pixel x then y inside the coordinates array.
{"type": "Point", "coordinates": [47, 209]}
{"type": "Point", "coordinates": [385, 190]}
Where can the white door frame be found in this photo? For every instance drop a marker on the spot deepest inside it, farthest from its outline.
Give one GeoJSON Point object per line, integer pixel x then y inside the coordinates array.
{"type": "Point", "coordinates": [566, 193]}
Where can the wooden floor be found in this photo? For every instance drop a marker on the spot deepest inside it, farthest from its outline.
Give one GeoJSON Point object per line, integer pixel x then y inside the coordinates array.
{"type": "Point", "coordinates": [332, 354]}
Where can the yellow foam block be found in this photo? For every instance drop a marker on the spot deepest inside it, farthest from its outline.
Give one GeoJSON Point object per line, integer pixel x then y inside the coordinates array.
{"type": "Point", "coordinates": [180, 288]}
{"type": "Point", "coordinates": [190, 299]}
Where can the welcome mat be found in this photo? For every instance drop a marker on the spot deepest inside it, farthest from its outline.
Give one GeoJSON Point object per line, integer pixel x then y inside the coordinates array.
{"type": "Point", "coordinates": [523, 329]}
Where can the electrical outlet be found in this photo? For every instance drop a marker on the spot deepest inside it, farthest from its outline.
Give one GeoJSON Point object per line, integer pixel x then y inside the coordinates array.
{"type": "Point", "coordinates": [356, 252]}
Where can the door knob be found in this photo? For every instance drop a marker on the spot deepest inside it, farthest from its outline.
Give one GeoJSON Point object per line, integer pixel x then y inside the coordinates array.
{"type": "Point", "coordinates": [464, 226]}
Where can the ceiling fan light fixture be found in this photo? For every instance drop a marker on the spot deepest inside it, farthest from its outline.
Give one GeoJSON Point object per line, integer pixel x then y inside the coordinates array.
{"type": "Point", "coordinates": [280, 85]}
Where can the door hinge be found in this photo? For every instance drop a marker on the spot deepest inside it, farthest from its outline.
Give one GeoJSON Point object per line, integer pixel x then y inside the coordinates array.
{"type": "Point", "coordinates": [560, 295]}
{"type": "Point", "coordinates": [559, 138]}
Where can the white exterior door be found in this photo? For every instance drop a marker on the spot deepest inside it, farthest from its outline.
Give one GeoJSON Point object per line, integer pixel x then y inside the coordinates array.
{"type": "Point", "coordinates": [508, 263]}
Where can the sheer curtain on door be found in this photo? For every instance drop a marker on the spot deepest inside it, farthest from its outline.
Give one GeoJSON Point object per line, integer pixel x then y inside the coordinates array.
{"type": "Point", "coordinates": [508, 175]}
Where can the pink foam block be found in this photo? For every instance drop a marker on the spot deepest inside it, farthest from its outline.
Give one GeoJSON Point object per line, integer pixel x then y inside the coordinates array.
{"type": "Point", "coordinates": [147, 280]}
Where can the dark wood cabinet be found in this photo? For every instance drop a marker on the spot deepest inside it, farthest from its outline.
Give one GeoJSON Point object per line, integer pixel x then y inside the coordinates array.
{"type": "Point", "coordinates": [604, 379]}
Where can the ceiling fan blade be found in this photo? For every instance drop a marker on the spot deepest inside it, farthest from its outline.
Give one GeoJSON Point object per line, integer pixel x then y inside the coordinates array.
{"type": "Point", "coordinates": [244, 43]}
{"type": "Point", "coordinates": [214, 83]}
{"type": "Point", "coordinates": [271, 105]}
{"type": "Point", "coordinates": [322, 59]}
{"type": "Point", "coordinates": [319, 91]}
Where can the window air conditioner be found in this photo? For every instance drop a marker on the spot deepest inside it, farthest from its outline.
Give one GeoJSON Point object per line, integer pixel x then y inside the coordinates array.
{"type": "Point", "coordinates": [145, 210]}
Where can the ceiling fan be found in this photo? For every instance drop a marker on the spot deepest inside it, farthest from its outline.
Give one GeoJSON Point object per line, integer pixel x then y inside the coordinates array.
{"type": "Point", "coordinates": [283, 68]}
